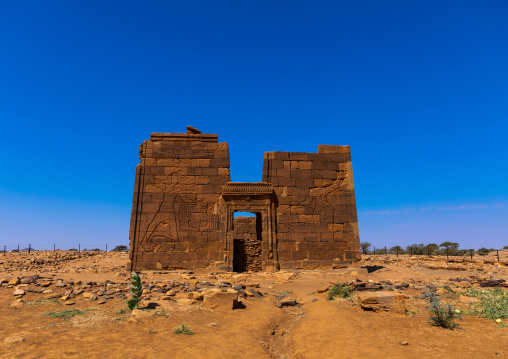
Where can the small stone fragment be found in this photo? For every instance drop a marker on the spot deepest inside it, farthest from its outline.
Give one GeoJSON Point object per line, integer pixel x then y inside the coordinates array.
{"type": "Point", "coordinates": [19, 292]}
{"type": "Point", "coordinates": [14, 281]}
{"type": "Point", "coordinates": [14, 339]}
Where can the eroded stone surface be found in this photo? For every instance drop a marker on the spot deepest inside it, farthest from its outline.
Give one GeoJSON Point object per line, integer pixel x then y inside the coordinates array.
{"type": "Point", "coordinates": [383, 301]}
{"type": "Point", "coordinates": [184, 200]}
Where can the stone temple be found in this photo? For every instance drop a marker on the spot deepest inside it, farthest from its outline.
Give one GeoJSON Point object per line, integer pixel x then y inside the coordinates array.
{"type": "Point", "coordinates": [184, 203]}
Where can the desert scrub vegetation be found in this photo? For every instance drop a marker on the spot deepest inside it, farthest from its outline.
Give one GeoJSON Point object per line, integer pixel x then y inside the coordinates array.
{"type": "Point", "coordinates": [44, 301]}
{"type": "Point", "coordinates": [136, 289]}
{"type": "Point", "coordinates": [492, 304]}
{"type": "Point", "coordinates": [183, 329]}
{"type": "Point", "coordinates": [441, 315]}
{"type": "Point", "coordinates": [338, 291]}
{"type": "Point", "coordinates": [161, 313]}
{"type": "Point", "coordinates": [66, 314]}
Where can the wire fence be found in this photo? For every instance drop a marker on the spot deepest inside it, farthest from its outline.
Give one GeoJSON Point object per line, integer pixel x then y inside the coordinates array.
{"type": "Point", "coordinates": [102, 247]}
{"type": "Point", "coordinates": [441, 252]}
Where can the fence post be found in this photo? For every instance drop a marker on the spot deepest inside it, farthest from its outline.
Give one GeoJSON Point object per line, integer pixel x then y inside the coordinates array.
{"type": "Point", "coordinates": [471, 252]}
{"type": "Point", "coordinates": [428, 251]}
{"type": "Point", "coordinates": [397, 251]}
{"type": "Point", "coordinates": [385, 251]}
{"type": "Point", "coordinates": [374, 250]}
{"type": "Point", "coordinates": [5, 247]}
{"type": "Point", "coordinates": [29, 248]}
{"type": "Point", "coordinates": [79, 248]}
{"type": "Point", "coordinates": [106, 247]}
{"type": "Point", "coordinates": [18, 248]}
{"type": "Point", "coordinates": [54, 247]}
{"type": "Point", "coordinates": [498, 255]}
{"type": "Point", "coordinates": [411, 250]}
{"type": "Point", "coordinates": [446, 252]}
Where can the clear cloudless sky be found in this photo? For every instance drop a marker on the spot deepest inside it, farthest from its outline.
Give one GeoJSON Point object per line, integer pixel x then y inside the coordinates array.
{"type": "Point", "coordinates": [418, 89]}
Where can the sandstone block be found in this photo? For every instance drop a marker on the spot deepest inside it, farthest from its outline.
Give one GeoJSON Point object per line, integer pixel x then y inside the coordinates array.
{"type": "Point", "coordinates": [383, 301]}
{"type": "Point", "coordinates": [14, 281]}
{"type": "Point", "coordinates": [18, 303]}
{"type": "Point", "coordinates": [19, 292]}
{"type": "Point", "coordinates": [216, 299]}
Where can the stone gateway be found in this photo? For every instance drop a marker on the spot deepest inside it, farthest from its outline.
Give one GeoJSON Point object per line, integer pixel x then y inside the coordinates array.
{"type": "Point", "coordinates": [184, 203]}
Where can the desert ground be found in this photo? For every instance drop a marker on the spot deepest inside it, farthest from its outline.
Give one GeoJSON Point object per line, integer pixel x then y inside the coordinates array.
{"type": "Point", "coordinates": [69, 305]}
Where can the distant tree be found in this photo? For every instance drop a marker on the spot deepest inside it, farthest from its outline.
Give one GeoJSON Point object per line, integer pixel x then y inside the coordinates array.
{"type": "Point", "coordinates": [96, 250]}
{"type": "Point", "coordinates": [73, 249]}
{"type": "Point", "coordinates": [505, 247]}
{"type": "Point", "coordinates": [416, 248]}
{"type": "Point", "coordinates": [449, 245]}
{"type": "Point", "coordinates": [484, 251]}
{"type": "Point", "coordinates": [120, 249]}
{"type": "Point", "coordinates": [396, 249]}
{"type": "Point", "coordinates": [430, 248]}
{"type": "Point", "coordinates": [365, 247]}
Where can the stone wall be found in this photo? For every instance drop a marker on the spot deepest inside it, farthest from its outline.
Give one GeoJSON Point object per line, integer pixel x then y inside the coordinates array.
{"type": "Point", "coordinates": [175, 219]}
{"type": "Point", "coordinates": [317, 225]}
{"type": "Point", "coordinates": [183, 206]}
{"type": "Point", "coordinates": [247, 244]}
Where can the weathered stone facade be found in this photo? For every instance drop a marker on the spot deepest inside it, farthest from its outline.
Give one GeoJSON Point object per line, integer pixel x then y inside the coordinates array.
{"type": "Point", "coordinates": [184, 200]}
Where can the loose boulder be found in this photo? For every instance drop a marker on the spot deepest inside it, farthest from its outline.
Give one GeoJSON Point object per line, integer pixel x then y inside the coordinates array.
{"type": "Point", "coordinates": [383, 301]}
{"type": "Point", "coordinates": [217, 299]}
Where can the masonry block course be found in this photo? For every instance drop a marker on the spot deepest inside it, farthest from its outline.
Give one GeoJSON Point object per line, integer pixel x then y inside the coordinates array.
{"type": "Point", "coordinates": [184, 201]}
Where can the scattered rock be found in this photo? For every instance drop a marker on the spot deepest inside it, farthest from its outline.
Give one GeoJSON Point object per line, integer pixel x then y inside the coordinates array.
{"type": "Point", "coordinates": [14, 281]}
{"type": "Point", "coordinates": [138, 314]}
{"type": "Point", "coordinates": [287, 303]}
{"type": "Point", "coordinates": [323, 289]}
{"type": "Point", "coordinates": [383, 301]}
{"type": "Point", "coordinates": [18, 303]}
{"type": "Point", "coordinates": [19, 292]}
{"type": "Point", "coordinates": [14, 339]}
{"type": "Point", "coordinates": [216, 299]}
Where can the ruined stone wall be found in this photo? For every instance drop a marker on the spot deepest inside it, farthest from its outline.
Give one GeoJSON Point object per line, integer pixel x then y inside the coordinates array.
{"type": "Point", "coordinates": [184, 203]}
{"type": "Point", "coordinates": [247, 244]}
{"type": "Point", "coordinates": [317, 224]}
{"type": "Point", "coordinates": [175, 219]}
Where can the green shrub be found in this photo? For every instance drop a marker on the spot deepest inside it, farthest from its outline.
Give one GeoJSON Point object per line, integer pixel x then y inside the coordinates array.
{"type": "Point", "coordinates": [338, 291]}
{"type": "Point", "coordinates": [66, 314]}
{"type": "Point", "coordinates": [136, 291]}
{"type": "Point", "coordinates": [442, 315]}
{"type": "Point", "coordinates": [44, 301]}
{"type": "Point", "coordinates": [183, 329]}
{"type": "Point", "coordinates": [484, 251]}
{"type": "Point", "coordinates": [493, 303]}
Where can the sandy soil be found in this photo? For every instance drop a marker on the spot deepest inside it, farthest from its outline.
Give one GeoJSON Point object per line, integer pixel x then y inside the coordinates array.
{"type": "Point", "coordinates": [258, 328]}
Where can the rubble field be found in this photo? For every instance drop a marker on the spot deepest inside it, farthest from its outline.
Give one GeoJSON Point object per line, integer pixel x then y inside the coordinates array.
{"type": "Point", "coordinates": [66, 304]}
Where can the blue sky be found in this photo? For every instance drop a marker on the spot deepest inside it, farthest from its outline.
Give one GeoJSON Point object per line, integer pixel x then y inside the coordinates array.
{"type": "Point", "coordinates": [417, 89]}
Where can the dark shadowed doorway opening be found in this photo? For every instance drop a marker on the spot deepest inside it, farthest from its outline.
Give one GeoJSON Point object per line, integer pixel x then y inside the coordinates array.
{"type": "Point", "coordinates": [247, 242]}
